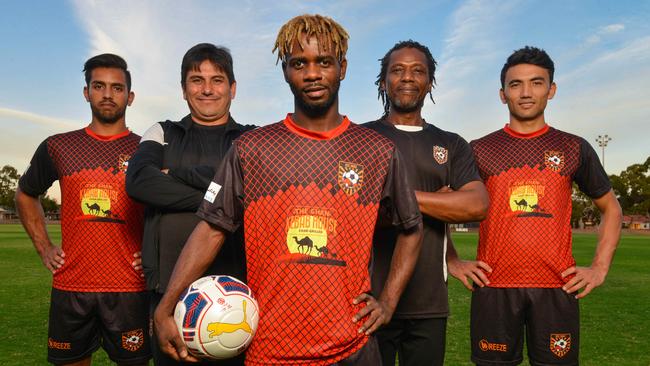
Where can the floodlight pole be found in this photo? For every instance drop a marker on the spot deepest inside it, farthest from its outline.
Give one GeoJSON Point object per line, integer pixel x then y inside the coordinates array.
{"type": "Point", "coordinates": [602, 141]}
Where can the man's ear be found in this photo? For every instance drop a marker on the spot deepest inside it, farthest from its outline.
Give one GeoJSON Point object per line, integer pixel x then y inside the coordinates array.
{"type": "Point", "coordinates": [502, 95]}
{"type": "Point", "coordinates": [344, 67]}
{"type": "Point", "coordinates": [86, 96]}
{"type": "Point", "coordinates": [233, 90]}
{"type": "Point", "coordinates": [552, 90]}
{"type": "Point", "coordinates": [130, 98]}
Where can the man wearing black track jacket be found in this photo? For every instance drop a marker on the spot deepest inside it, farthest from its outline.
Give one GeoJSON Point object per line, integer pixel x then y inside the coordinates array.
{"type": "Point", "coordinates": [174, 165]}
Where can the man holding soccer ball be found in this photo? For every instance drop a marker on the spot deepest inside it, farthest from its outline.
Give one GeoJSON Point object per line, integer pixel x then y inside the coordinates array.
{"type": "Point", "coordinates": [307, 228]}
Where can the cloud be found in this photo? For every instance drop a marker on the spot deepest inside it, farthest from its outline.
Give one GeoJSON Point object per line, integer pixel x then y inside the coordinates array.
{"type": "Point", "coordinates": [46, 121]}
{"type": "Point", "coordinates": [612, 28]}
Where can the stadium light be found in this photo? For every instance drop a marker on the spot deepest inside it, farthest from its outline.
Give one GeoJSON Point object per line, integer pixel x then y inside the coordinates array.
{"type": "Point", "coordinates": [602, 141]}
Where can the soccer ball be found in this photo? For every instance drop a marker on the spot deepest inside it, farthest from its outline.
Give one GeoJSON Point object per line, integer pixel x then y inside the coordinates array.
{"type": "Point", "coordinates": [217, 317]}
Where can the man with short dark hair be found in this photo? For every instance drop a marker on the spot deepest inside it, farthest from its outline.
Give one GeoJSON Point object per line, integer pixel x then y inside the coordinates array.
{"type": "Point", "coordinates": [448, 188]}
{"type": "Point", "coordinates": [528, 168]}
{"type": "Point", "coordinates": [174, 165]}
{"type": "Point", "coordinates": [98, 299]}
{"type": "Point", "coordinates": [307, 190]}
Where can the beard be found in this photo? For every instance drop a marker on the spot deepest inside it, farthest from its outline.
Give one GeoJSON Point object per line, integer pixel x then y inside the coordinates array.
{"type": "Point", "coordinates": [105, 117]}
{"type": "Point", "coordinates": [315, 109]}
{"type": "Point", "coordinates": [406, 106]}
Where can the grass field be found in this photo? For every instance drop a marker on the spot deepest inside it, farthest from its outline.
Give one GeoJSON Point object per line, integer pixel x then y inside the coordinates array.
{"type": "Point", "coordinates": [615, 317]}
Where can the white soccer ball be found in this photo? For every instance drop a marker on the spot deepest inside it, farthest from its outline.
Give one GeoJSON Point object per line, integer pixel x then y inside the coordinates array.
{"type": "Point", "coordinates": [217, 317]}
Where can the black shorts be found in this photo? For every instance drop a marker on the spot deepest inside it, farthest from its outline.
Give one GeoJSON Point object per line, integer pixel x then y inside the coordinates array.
{"type": "Point", "coordinates": [415, 342]}
{"type": "Point", "coordinates": [368, 355]}
{"type": "Point", "coordinates": [499, 317]}
{"type": "Point", "coordinates": [81, 322]}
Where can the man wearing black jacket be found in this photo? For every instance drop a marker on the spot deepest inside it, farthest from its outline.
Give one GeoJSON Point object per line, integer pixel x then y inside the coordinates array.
{"type": "Point", "coordinates": [174, 165]}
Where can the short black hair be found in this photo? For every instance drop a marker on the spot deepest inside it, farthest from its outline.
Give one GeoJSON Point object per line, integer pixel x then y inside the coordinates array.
{"type": "Point", "coordinates": [107, 60]}
{"type": "Point", "coordinates": [219, 56]}
{"type": "Point", "coordinates": [431, 66]}
{"type": "Point", "coordinates": [529, 55]}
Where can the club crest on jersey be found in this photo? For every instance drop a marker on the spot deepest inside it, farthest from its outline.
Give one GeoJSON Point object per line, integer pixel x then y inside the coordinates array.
{"type": "Point", "coordinates": [123, 162]}
{"type": "Point", "coordinates": [350, 177]}
{"type": "Point", "coordinates": [560, 343]}
{"type": "Point", "coordinates": [440, 154]}
{"type": "Point", "coordinates": [554, 160]}
{"type": "Point", "coordinates": [132, 340]}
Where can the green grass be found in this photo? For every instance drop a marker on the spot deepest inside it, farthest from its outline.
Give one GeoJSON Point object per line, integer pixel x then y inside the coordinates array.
{"type": "Point", "coordinates": [615, 317]}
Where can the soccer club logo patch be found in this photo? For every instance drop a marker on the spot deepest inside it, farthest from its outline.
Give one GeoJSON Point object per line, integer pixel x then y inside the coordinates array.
{"type": "Point", "coordinates": [560, 343]}
{"type": "Point", "coordinates": [554, 160]}
{"type": "Point", "coordinates": [440, 154]}
{"type": "Point", "coordinates": [123, 162]}
{"type": "Point", "coordinates": [350, 177]}
{"type": "Point", "coordinates": [132, 340]}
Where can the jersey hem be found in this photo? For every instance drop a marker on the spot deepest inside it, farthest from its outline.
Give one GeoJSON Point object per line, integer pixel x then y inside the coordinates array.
{"type": "Point", "coordinates": [101, 289]}
{"type": "Point", "coordinates": [313, 362]}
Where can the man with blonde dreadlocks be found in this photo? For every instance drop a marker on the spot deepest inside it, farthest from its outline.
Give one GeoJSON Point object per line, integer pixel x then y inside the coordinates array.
{"type": "Point", "coordinates": [307, 190]}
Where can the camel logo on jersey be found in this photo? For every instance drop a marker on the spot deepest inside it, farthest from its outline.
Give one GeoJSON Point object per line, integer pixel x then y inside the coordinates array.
{"type": "Point", "coordinates": [440, 154]}
{"type": "Point", "coordinates": [525, 199]}
{"type": "Point", "coordinates": [133, 340]}
{"type": "Point", "coordinates": [560, 343]}
{"type": "Point", "coordinates": [96, 201]}
{"type": "Point", "coordinates": [554, 160]}
{"type": "Point", "coordinates": [350, 177]}
{"type": "Point", "coordinates": [309, 231]}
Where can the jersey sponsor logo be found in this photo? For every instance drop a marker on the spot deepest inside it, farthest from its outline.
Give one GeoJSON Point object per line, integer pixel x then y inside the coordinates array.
{"type": "Point", "coordinates": [554, 160]}
{"type": "Point", "coordinates": [440, 154]}
{"type": "Point", "coordinates": [486, 346]}
{"type": "Point", "coordinates": [309, 230]}
{"type": "Point", "coordinates": [560, 343]}
{"type": "Point", "coordinates": [525, 198]}
{"type": "Point", "coordinates": [96, 199]}
{"type": "Point", "coordinates": [211, 193]}
{"type": "Point", "coordinates": [133, 340]}
{"type": "Point", "coordinates": [51, 343]}
{"type": "Point", "coordinates": [350, 177]}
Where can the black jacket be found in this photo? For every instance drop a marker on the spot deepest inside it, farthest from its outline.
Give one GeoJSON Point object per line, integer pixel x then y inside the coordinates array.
{"type": "Point", "coordinates": [172, 199]}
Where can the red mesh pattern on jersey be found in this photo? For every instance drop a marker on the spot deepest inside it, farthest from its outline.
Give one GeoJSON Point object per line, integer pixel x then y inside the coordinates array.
{"type": "Point", "coordinates": [526, 237]}
{"type": "Point", "coordinates": [101, 226]}
{"type": "Point", "coordinates": [305, 297]}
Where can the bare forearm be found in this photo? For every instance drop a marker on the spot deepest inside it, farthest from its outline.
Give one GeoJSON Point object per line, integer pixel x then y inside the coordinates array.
{"type": "Point", "coordinates": [199, 252]}
{"type": "Point", "coordinates": [405, 255]}
{"type": "Point", "coordinates": [609, 234]}
{"type": "Point", "coordinates": [32, 217]}
{"type": "Point", "coordinates": [470, 203]}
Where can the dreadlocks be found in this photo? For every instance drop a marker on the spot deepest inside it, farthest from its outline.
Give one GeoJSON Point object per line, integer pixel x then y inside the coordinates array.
{"type": "Point", "coordinates": [328, 33]}
{"type": "Point", "coordinates": [431, 66]}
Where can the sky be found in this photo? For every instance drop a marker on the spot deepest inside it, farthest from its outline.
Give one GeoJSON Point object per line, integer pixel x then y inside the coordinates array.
{"type": "Point", "coordinates": [601, 51]}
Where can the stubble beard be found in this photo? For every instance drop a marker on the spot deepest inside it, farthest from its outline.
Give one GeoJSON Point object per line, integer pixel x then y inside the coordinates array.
{"type": "Point", "coordinates": [315, 109]}
{"type": "Point", "coordinates": [107, 118]}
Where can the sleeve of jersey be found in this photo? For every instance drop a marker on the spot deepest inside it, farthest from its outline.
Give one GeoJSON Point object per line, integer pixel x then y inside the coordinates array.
{"type": "Point", "coordinates": [463, 165]}
{"type": "Point", "coordinates": [398, 198]}
{"type": "Point", "coordinates": [146, 183]}
{"type": "Point", "coordinates": [590, 175]}
{"type": "Point", "coordinates": [223, 204]}
{"type": "Point", "coordinates": [40, 174]}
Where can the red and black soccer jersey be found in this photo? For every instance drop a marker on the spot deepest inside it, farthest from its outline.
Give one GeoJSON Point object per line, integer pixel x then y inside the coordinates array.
{"type": "Point", "coordinates": [436, 158]}
{"type": "Point", "coordinates": [308, 202]}
{"type": "Point", "coordinates": [526, 237]}
{"type": "Point", "coordinates": [101, 227]}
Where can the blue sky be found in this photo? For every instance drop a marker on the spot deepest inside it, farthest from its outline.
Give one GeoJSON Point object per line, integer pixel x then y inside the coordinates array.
{"type": "Point", "coordinates": [601, 50]}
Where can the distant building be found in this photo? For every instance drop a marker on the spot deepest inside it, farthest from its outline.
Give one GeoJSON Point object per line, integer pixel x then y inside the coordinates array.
{"type": "Point", "coordinates": [636, 222]}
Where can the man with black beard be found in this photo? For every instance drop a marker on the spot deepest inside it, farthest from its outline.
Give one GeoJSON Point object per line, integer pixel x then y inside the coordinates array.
{"type": "Point", "coordinates": [448, 188]}
{"type": "Point", "coordinates": [307, 190]}
{"type": "Point", "coordinates": [98, 299]}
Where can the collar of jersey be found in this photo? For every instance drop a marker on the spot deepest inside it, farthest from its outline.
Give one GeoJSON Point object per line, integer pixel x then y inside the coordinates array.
{"type": "Point", "coordinates": [316, 135]}
{"type": "Point", "coordinates": [106, 138]}
{"type": "Point", "coordinates": [520, 135]}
